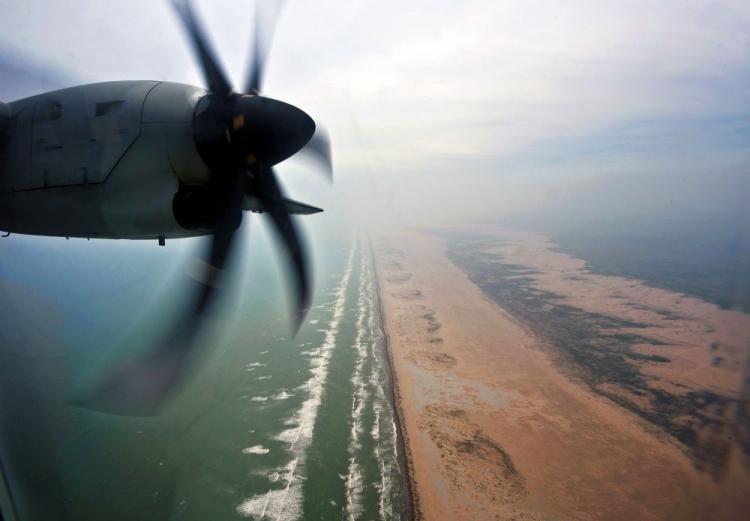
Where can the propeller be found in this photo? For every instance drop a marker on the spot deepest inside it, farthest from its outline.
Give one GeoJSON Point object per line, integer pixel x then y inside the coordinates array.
{"type": "Point", "coordinates": [240, 136]}
{"type": "Point", "coordinates": [318, 150]}
{"type": "Point", "coordinates": [266, 16]}
{"type": "Point", "coordinates": [216, 80]}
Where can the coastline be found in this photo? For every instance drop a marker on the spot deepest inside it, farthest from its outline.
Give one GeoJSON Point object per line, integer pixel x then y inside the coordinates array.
{"type": "Point", "coordinates": [410, 501]}
{"type": "Point", "coordinates": [494, 426]}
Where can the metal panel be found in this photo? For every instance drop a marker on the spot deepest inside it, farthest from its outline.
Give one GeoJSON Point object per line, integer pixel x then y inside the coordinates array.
{"type": "Point", "coordinates": [15, 152]}
{"type": "Point", "coordinates": [174, 104]}
{"type": "Point", "coordinates": [79, 134]}
{"type": "Point", "coordinates": [171, 103]}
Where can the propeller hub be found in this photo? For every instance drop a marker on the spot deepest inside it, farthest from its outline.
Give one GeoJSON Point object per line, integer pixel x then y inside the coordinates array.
{"type": "Point", "coordinates": [249, 132]}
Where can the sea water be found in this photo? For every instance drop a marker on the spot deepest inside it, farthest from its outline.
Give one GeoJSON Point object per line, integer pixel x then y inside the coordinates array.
{"type": "Point", "coordinates": [270, 425]}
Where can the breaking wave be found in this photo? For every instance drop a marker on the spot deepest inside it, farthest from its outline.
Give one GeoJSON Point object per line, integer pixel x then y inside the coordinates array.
{"type": "Point", "coordinates": [353, 480]}
{"type": "Point", "coordinates": [255, 449]}
{"type": "Point", "coordinates": [286, 503]}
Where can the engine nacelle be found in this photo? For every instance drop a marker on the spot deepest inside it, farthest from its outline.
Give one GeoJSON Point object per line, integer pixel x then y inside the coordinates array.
{"type": "Point", "coordinates": [4, 118]}
{"type": "Point", "coordinates": [102, 160]}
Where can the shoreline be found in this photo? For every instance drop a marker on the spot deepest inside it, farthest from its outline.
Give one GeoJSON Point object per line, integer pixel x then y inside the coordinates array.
{"type": "Point", "coordinates": [410, 504]}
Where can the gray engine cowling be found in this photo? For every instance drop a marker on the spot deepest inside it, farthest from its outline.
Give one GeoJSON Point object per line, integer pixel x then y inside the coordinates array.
{"type": "Point", "coordinates": [4, 117]}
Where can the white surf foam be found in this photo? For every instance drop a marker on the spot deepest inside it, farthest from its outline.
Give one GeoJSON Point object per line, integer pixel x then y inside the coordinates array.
{"type": "Point", "coordinates": [385, 448]}
{"type": "Point", "coordinates": [354, 487]}
{"type": "Point", "coordinates": [255, 449]}
{"type": "Point", "coordinates": [286, 503]}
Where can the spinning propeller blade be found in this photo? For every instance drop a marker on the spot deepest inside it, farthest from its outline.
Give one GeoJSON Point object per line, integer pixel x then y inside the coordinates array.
{"type": "Point", "coordinates": [216, 80]}
{"type": "Point", "coordinates": [266, 16]}
{"type": "Point", "coordinates": [318, 149]}
{"type": "Point", "coordinates": [274, 204]}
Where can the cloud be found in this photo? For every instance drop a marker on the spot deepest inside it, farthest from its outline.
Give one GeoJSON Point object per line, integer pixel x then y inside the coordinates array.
{"type": "Point", "coordinates": [498, 77]}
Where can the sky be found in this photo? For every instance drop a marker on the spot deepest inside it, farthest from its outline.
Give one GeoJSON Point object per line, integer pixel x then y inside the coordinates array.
{"type": "Point", "coordinates": [444, 111]}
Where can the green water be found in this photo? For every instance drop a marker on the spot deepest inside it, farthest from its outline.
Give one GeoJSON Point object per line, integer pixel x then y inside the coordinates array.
{"type": "Point", "coordinates": [269, 427]}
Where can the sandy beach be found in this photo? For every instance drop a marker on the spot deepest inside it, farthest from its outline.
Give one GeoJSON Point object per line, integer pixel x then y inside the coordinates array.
{"type": "Point", "coordinates": [498, 424]}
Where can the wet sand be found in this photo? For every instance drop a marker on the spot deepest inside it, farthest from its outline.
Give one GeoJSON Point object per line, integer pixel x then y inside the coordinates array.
{"type": "Point", "coordinates": [498, 424]}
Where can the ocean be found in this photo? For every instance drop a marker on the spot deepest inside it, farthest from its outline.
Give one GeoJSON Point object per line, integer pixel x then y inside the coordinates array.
{"type": "Point", "coordinates": [269, 427]}
{"type": "Point", "coordinates": [680, 231]}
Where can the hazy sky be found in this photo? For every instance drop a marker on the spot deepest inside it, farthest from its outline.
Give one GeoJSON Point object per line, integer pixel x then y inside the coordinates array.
{"type": "Point", "coordinates": [442, 107]}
